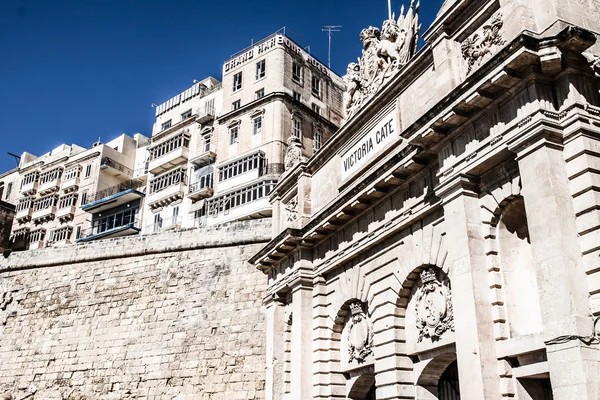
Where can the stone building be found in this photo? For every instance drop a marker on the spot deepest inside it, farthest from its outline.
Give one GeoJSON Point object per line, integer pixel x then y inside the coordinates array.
{"type": "Point", "coordinates": [443, 244]}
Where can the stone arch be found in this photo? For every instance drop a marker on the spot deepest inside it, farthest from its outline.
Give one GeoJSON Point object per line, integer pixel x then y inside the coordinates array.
{"type": "Point", "coordinates": [510, 261]}
{"type": "Point", "coordinates": [383, 282]}
{"type": "Point", "coordinates": [362, 387]}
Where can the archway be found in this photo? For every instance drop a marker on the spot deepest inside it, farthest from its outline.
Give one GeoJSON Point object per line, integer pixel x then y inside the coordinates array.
{"type": "Point", "coordinates": [363, 388]}
{"type": "Point", "coordinates": [448, 385]}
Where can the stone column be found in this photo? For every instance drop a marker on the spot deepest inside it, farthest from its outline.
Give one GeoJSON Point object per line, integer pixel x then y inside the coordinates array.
{"type": "Point", "coordinates": [302, 329]}
{"type": "Point", "coordinates": [558, 263]}
{"type": "Point", "coordinates": [275, 348]}
{"type": "Point", "coordinates": [473, 324]}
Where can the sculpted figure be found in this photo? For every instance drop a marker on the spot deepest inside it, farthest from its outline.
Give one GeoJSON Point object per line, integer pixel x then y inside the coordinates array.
{"type": "Point", "coordinates": [293, 154]}
{"type": "Point", "coordinates": [352, 80]}
{"type": "Point", "coordinates": [475, 48]}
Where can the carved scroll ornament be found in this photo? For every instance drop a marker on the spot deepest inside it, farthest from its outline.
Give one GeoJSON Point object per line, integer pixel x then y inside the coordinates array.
{"type": "Point", "coordinates": [384, 53]}
{"type": "Point", "coordinates": [433, 306]}
{"type": "Point", "coordinates": [360, 334]}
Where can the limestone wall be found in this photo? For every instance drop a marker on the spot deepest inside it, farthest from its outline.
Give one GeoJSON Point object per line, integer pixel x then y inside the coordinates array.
{"type": "Point", "coordinates": [170, 316]}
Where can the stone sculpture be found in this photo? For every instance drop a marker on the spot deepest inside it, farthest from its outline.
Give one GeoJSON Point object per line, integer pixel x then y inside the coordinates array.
{"type": "Point", "coordinates": [481, 44]}
{"type": "Point", "coordinates": [360, 334]}
{"type": "Point", "coordinates": [433, 306]}
{"type": "Point", "coordinates": [384, 53]}
{"type": "Point", "coordinates": [293, 154]}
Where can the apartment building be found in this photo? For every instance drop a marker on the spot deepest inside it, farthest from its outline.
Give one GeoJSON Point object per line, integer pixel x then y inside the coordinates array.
{"type": "Point", "coordinates": [181, 157]}
{"type": "Point", "coordinates": [272, 91]}
{"type": "Point", "coordinates": [56, 194]}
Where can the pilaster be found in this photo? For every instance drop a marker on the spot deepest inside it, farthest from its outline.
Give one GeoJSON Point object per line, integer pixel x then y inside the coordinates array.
{"type": "Point", "coordinates": [301, 285]}
{"type": "Point", "coordinates": [275, 316]}
{"type": "Point", "coordinates": [473, 322]}
{"type": "Point", "coordinates": [558, 263]}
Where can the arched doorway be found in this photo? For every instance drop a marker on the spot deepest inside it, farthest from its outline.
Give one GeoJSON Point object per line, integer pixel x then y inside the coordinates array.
{"type": "Point", "coordinates": [448, 387]}
{"type": "Point", "coordinates": [363, 387]}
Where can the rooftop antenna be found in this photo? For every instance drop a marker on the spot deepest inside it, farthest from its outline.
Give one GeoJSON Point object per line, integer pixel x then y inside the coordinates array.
{"type": "Point", "coordinates": [330, 29]}
{"type": "Point", "coordinates": [17, 158]}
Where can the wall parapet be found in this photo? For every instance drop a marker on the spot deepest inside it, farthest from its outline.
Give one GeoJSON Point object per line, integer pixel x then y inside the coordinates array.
{"type": "Point", "coordinates": [225, 235]}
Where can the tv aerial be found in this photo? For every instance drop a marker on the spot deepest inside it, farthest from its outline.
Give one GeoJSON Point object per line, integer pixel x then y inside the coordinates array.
{"type": "Point", "coordinates": [330, 29]}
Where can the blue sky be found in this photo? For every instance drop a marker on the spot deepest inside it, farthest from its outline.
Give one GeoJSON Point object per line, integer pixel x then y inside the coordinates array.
{"type": "Point", "coordinates": [75, 70]}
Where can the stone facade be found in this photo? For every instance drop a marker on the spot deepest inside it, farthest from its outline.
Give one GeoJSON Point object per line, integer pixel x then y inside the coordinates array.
{"type": "Point", "coordinates": [444, 243]}
{"type": "Point", "coordinates": [168, 316]}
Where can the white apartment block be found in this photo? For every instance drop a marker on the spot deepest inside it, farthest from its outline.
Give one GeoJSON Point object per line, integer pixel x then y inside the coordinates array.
{"type": "Point", "coordinates": [53, 192]}
{"type": "Point", "coordinates": [218, 149]}
{"type": "Point", "coordinates": [216, 152]}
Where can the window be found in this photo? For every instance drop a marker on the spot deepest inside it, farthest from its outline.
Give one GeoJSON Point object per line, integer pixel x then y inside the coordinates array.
{"type": "Point", "coordinates": [52, 175]}
{"type": "Point", "coordinates": [88, 170]}
{"type": "Point", "coordinates": [233, 135]}
{"type": "Point", "coordinates": [78, 232]}
{"type": "Point", "coordinates": [316, 86]}
{"type": "Point", "coordinates": [209, 107]}
{"type": "Point", "coordinates": [71, 173]}
{"type": "Point", "coordinates": [316, 108]}
{"type": "Point", "coordinates": [29, 179]}
{"type": "Point", "coordinates": [236, 104]}
{"type": "Point", "coordinates": [37, 235]}
{"type": "Point", "coordinates": [165, 125]}
{"type": "Point", "coordinates": [297, 96]}
{"type": "Point", "coordinates": [297, 129]}
{"type": "Point", "coordinates": [164, 181]}
{"type": "Point", "coordinates": [60, 234]}
{"type": "Point", "coordinates": [237, 81]}
{"type": "Point", "coordinates": [67, 201]}
{"type": "Point", "coordinates": [25, 203]}
{"type": "Point", "coordinates": [84, 196]}
{"type": "Point", "coordinates": [206, 139]}
{"type": "Point", "coordinates": [240, 197]}
{"type": "Point", "coordinates": [175, 215]}
{"type": "Point", "coordinates": [186, 114]}
{"type": "Point", "coordinates": [259, 94]}
{"type": "Point", "coordinates": [317, 141]}
{"type": "Point", "coordinates": [174, 143]}
{"type": "Point", "coordinates": [248, 163]}
{"type": "Point", "coordinates": [297, 72]}
{"type": "Point", "coordinates": [260, 69]}
{"type": "Point", "coordinates": [45, 202]}
{"type": "Point", "coordinates": [257, 126]}
{"type": "Point", "coordinates": [8, 190]}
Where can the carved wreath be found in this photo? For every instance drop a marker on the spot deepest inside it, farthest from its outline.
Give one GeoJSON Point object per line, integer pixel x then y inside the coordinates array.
{"type": "Point", "coordinates": [360, 335]}
{"type": "Point", "coordinates": [434, 312]}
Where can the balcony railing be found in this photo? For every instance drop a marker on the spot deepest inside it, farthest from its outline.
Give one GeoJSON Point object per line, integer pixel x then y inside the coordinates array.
{"type": "Point", "coordinates": [165, 224]}
{"type": "Point", "coordinates": [98, 231]}
{"type": "Point", "coordinates": [205, 114]}
{"type": "Point", "coordinates": [109, 162]}
{"type": "Point", "coordinates": [121, 187]}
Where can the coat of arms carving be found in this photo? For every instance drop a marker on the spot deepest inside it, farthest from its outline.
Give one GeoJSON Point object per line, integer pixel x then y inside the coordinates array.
{"type": "Point", "coordinates": [433, 306]}
{"type": "Point", "coordinates": [480, 45]}
{"type": "Point", "coordinates": [359, 334]}
{"type": "Point", "coordinates": [384, 53]}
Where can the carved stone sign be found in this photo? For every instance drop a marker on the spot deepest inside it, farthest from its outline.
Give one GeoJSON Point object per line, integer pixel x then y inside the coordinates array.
{"type": "Point", "coordinates": [433, 306]}
{"type": "Point", "coordinates": [359, 335]}
{"type": "Point", "coordinates": [384, 53]}
{"type": "Point", "coordinates": [375, 140]}
{"type": "Point", "coordinates": [481, 45]}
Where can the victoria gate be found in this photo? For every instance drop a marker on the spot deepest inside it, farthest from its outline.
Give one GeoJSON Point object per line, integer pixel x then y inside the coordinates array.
{"type": "Point", "coordinates": [443, 244]}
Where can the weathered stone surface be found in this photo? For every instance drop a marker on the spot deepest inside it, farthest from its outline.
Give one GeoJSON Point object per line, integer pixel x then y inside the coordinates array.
{"type": "Point", "coordinates": [170, 316]}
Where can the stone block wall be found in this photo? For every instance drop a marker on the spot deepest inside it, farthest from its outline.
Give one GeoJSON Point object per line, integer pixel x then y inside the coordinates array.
{"type": "Point", "coordinates": [169, 316]}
